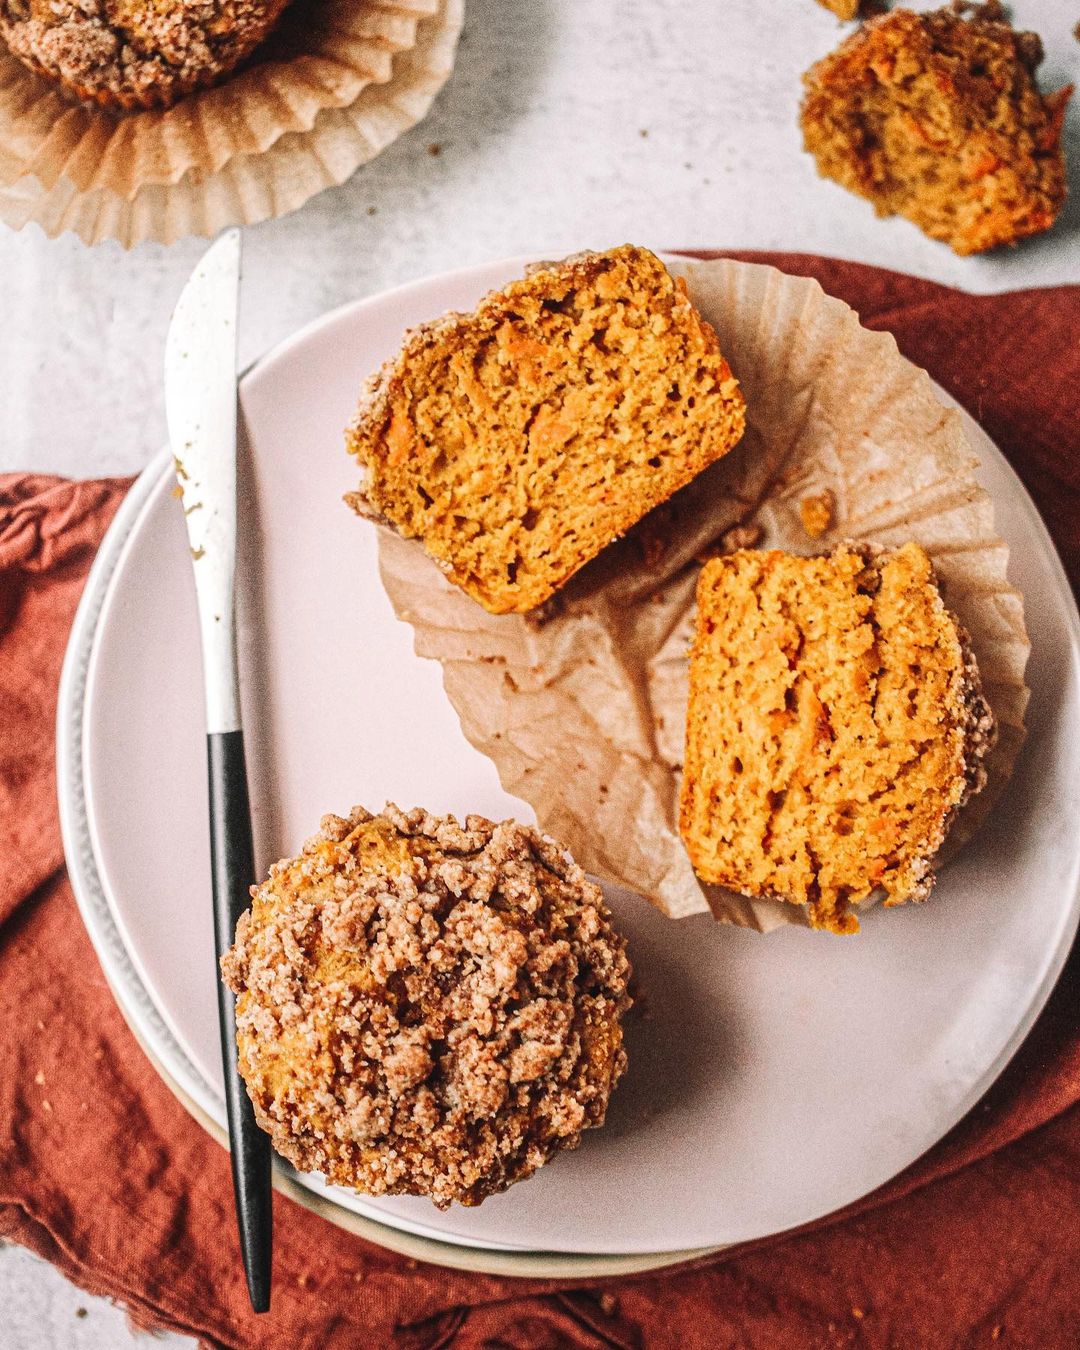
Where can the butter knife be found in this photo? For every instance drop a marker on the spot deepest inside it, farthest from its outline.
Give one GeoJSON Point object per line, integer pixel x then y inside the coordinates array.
{"type": "Point", "coordinates": [200, 407]}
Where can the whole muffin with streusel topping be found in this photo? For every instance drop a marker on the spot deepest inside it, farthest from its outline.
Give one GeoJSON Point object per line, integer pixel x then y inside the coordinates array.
{"type": "Point", "coordinates": [428, 1008]}
{"type": "Point", "coordinates": [129, 54]}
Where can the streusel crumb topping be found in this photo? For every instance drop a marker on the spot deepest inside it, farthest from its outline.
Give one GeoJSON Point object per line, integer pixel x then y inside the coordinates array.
{"type": "Point", "coordinates": [426, 1007]}
{"type": "Point", "coordinates": [141, 47]}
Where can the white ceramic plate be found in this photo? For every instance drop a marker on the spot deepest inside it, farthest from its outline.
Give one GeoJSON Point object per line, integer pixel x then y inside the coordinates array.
{"type": "Point", "coordinates": [775, 1079]}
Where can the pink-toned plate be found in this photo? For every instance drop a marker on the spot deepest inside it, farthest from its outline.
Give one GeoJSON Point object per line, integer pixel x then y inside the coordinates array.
{"type": "Point", "coordinates": [758, 1054]}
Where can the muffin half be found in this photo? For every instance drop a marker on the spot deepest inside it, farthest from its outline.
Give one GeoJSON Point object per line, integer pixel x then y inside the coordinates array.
{"type": "Point", "coordinates": [518, 441]}
{"type": "Point", "coordinates": [836, 724]}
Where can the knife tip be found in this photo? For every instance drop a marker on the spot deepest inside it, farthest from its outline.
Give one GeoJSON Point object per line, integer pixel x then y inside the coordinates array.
{"type": "Point", "coordinates": [258, 1284]}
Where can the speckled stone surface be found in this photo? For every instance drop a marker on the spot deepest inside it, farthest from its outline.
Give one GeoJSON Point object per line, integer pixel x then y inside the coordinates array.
{"type": "Point", "coordinates": [568, 124]}
{"type": "Point", "coordinates": [42, 1311]}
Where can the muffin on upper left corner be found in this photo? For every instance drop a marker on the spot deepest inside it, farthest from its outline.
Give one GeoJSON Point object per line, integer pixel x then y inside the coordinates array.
{"type": "Point", "coordinates": [132, 54]}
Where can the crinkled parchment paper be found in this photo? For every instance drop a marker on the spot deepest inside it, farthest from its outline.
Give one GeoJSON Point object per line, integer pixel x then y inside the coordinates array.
{"type": "Point", "coordinates": [337, 82]}
{"type": "Point", "coordinates": [583, 712]}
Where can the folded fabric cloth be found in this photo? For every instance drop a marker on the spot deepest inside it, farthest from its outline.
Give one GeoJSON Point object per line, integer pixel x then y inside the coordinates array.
{"type": "Point", "coordinates": [104, 1173]}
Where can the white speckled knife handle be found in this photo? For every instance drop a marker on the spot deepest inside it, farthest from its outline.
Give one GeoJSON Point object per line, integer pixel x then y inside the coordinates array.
{"type": "Point", "coordinates": [220, 677]}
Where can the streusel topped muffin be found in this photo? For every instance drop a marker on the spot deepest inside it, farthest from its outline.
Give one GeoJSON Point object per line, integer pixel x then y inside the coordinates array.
{"type": "Point", "coordinates": [426, 1007]}
{"type": "Point", "coordinates": [129, 54]}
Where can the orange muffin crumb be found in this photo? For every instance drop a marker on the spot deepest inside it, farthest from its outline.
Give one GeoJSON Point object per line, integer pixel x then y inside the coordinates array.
{"type": "Point", "coordinates": [519, 440]}
{"type": "Point", "coordinates": [843, 9]}
{"type": "Point", "coordinates": [816, 513]}
{"type": "Point", "coordinates": [836, 724]}
{"type": "Point", "coordinates": [938, 118]}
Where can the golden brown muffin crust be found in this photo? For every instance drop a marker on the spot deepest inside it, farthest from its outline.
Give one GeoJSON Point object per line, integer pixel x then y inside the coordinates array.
{"type": "Point", "coordinates": [135, 53]}
{"type": "Point", "coordinates": [519, 440]}
{"type": "Point", "coordinates": [428, 1008]}
{"type": "Point", "coordinates": [937, 117]}
{"type": "Point", "coordinates": [836, 724]}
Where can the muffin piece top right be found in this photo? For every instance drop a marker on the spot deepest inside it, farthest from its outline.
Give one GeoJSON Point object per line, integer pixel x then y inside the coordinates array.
{"type": "Point", "coordinates": [937, 117]}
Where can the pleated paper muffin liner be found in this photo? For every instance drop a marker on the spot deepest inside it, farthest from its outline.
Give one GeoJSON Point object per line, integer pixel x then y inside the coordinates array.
{"type": "Point", "coordinates": [344, 80]}
{"type": "Point", "coordinates": [584, 714]}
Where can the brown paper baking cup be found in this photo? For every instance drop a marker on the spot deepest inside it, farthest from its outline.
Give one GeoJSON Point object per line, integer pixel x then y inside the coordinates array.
{"type": "Point", "coordinates": [584, 714]}
{"type": "Point", "coordinates": [256, 147]}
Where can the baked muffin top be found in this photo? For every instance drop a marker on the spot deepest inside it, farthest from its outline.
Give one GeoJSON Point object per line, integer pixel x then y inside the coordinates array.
{"type": "Point", "coordinates": [425, 1007]}
{"type": "Point", "coordinates": [135, 52]}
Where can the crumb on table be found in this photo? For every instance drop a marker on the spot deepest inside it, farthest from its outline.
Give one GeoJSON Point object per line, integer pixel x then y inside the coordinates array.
{"type": "Point", "coordinates": [816, 513]}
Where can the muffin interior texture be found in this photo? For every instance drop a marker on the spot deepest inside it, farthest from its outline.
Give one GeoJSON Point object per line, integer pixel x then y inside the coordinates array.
{"type": "Point", "coordinates": [836, 723]}
{"type": "Point", "coordinates": [938, 118]}
{"type": "Point", "coordinates": [518, 440]}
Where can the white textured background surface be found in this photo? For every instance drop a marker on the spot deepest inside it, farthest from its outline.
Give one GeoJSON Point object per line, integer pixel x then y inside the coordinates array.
{"type": "Point", "coordinates": [568, 124]}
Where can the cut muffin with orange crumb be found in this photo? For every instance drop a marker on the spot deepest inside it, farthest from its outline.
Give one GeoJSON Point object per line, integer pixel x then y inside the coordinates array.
{"type": "Point", "coordinates": [836, 724]}
{"type": "Point", "coordinates": [938, 118]}
{"type": "Point", "coordinates": [517, 441]}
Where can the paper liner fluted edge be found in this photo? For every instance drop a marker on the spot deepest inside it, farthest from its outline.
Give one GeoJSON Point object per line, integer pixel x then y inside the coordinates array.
{"type": "Point", "coordinates": [584, 716]}
{"type": "Point", "coordinates": [252, 188]}
{"type": "Point", "coordinates": [347, 46]}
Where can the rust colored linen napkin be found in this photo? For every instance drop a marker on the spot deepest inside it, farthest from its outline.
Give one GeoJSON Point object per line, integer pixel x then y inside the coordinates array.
{"type": "Point", "coordinates": [103, 1172]}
